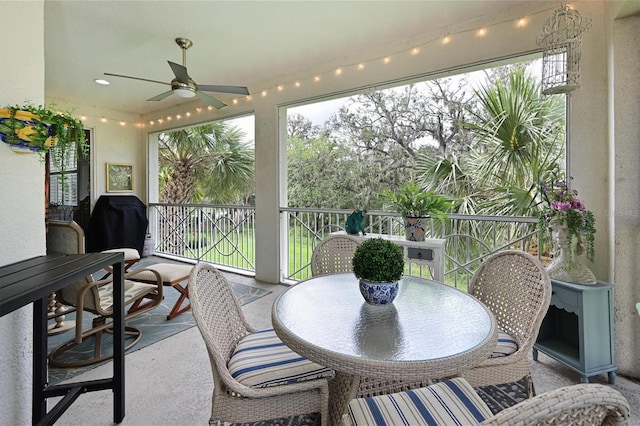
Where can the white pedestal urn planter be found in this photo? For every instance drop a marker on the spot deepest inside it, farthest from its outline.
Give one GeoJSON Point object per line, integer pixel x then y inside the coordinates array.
{"type": "Point", "coordinates": [565, 266]}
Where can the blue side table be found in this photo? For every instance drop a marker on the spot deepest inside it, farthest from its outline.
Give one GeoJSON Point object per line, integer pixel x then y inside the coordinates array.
{"type": "Point", "coordinates": [578, 329]}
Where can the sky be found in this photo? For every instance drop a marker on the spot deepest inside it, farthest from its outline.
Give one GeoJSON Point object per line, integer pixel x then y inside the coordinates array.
{"type": "Point", "coordinates": [318, 113]}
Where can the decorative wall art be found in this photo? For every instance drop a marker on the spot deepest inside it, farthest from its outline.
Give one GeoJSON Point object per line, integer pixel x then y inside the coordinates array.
{"type": "Point", "coordinates": [119, 177]}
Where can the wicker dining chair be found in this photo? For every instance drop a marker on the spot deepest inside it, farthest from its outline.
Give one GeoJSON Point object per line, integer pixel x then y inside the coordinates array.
{"type": "Point", "coordinates": [515, 286]}
{"type": "Point", "coordinates": [455, 402]}
{"type": "Point", "coordinates": [255, 376]}
{"type": "Point", "coordinates": [333, 255]}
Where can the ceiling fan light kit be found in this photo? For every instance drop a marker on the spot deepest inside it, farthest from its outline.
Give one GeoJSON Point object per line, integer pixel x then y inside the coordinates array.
{"type": "Point", "coordinates": [184, 86]}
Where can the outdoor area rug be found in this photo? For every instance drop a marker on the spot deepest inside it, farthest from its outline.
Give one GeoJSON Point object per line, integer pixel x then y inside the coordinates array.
{"type": "Point", "coordinates": [497, 397]}
{"type": "Point", "coordinates": [153, 324]}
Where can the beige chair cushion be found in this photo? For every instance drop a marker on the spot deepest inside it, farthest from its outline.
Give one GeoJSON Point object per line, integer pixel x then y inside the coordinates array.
{"type": "Point", "coordinates": [129, 253]}
{"type": "Point", "coordinates": [169, 272]}
{"type": "Point", "coordinates": [132, 290]}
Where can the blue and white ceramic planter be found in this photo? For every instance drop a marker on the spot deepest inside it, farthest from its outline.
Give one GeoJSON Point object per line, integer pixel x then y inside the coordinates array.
{"type": "Point", "coordinates": [378, 293]}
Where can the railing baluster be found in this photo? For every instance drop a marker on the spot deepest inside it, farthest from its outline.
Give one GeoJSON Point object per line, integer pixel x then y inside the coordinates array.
{"type": "Point", "coordinates": [225, 235]}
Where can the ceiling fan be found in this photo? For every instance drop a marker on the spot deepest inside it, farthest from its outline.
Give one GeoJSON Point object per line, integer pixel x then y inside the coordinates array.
{"type": "Point", "coordinates": [184, 86]}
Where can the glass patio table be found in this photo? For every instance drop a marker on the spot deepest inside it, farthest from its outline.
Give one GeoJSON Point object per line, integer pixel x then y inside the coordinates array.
{"type": "Point", "coordinates": [430, 331]}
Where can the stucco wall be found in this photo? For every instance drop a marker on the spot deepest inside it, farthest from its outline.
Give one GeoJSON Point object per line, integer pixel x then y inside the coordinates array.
{"type": "Point", "coordinates": [626, 211]}
{"type": "Point", "coordinates": [117, 138]}
{"type": "Point", "coordinates": [22, 200]}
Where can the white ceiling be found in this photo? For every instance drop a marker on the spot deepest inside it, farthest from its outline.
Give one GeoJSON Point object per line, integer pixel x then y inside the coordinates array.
{"type": "Point", "coordinates": [245, 43]}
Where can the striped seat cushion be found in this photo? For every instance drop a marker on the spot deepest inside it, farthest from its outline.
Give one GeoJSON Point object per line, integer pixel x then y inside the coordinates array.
{"type": "Point", "coordinates": [261, 359]}
{"type": "Point", "coordinates": [506, 345]}
{"type": "Point", "coordinates": [452, 402]}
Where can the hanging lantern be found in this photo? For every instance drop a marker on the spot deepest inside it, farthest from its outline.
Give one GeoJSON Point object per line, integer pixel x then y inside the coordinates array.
{"type": "Point", "coordinates": [561, 40]}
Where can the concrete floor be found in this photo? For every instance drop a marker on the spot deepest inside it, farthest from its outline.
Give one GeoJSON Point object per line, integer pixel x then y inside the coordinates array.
{"type": "Point", "coordinates": [169, 382]}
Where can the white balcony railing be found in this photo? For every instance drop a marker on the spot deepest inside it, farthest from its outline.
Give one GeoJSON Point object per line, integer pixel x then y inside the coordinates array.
{"type": "Point", "coordinates": [225, 235]}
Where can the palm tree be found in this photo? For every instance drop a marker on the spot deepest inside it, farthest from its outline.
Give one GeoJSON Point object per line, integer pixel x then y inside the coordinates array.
{"type": "Point", "coordinates": [519, 141]}
{"type": "Point", "coordinates": [206, 163]}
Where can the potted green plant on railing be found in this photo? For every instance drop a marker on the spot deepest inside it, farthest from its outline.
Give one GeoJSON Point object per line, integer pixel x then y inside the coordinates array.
{"type": "Point", "coordinates": [416, 206]}
{"type": "Point", "coordinates": [39, 129]}
{"type": "Point", "coordinates": [379, 265]}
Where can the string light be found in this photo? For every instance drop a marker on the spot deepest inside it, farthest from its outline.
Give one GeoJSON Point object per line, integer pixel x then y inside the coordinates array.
{"type": "Point", "coordinates": [414, 51]}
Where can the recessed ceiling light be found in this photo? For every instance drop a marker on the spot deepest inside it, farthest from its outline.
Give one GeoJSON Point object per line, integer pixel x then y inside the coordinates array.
{"type": "Point", "coordinates": [102, 81]}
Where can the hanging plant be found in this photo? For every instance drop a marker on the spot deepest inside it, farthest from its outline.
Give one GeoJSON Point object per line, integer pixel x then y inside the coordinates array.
{"type": "Point", "coordinates": [39, 129]}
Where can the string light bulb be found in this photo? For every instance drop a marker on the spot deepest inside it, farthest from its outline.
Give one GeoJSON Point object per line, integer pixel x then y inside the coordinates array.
{"type": "Point", "coordinates": [414, 51]}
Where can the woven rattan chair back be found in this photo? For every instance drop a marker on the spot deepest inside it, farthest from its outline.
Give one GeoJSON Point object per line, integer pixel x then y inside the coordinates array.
{"type": "Point", "coordinates": [222, 324]}
{"type": "Point", "coordinates": [333, 255]}
{"type": "Point", "coordinates": [576, 405]}
{"type": "Point", "coordinates": [515, 286]}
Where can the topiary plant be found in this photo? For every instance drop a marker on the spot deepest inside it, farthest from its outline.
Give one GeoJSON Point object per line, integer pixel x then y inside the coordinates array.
{"type": "Point", "coordinates": [378, 260]}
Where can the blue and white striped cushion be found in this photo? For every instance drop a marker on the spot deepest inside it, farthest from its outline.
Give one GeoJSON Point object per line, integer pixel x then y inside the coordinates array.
{"type": "Point", "coordinates": [452, 402]}
{"type": "Point", "coordinates": [261, 359]}
{"type": "Point", "coordinates": [506, 345]}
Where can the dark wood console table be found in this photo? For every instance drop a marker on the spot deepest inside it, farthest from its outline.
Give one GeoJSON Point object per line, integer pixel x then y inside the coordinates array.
{"type": "Point", "coordinates": [31, 281]}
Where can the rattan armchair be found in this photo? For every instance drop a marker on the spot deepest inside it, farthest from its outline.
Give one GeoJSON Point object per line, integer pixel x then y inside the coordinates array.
{"type": "Point", "coordinates": [297, 387]}
{"type": "Point", "coordinates": [455, 402]}
{"type": "Point", "coordinates": [515, 286]}
{"type": "Point", "coordinates": [583, 404]}
{"type": "Point", "coordinates": [333, 255]}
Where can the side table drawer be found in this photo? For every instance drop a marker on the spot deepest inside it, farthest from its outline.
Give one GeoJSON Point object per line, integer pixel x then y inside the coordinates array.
{"type": "Point", "coordinates": [565, 299]}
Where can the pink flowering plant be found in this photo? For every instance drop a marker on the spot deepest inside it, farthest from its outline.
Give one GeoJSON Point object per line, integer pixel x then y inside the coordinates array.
{"type": "Point", "coordinates": [563, 207]}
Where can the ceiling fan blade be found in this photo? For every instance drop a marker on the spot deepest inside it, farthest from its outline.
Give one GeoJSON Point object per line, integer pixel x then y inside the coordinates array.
{"type": "Point", "coordinates": [210, 100]}
{"type": "Point", "coordinates": [161, 96]}
{"type": "Point", "coordinates": [239, 90]}
{"type": "Point", "coordinates": [137, 78]}
{"type": "Point", "coordinates": [180, 72]}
